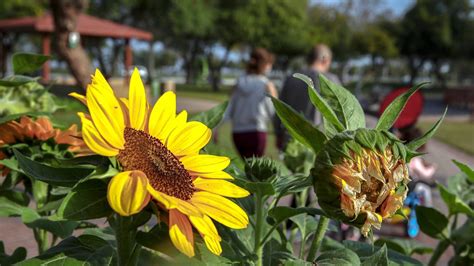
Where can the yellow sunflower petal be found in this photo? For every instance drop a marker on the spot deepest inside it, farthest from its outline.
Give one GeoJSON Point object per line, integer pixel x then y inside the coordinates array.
{"type": "Point", "coordinates": [214, 175]}
{"type": "Point", "coordinates": [138, 102]}
{"type": "Point", "coordinates": [94, 140]}
{"type": "Point", "coordinates": [181, 233]}
{"type": "Point", "coordinates": [205, 226]}
{"type": "Point", "coordinates": [170, 202]}
{"type": "Point", "coordinates": [127, 193]}
{"type": "Point", "coordinates": [188, 138]}
{"type": "Point", "coordinates": [181, 118]}
{"type": "Point", "coordinates": [125, 107]}
{"type": "Point", "coordinates": [162, 116]}
{"type": "Point", "coordinates": [203, 163]}
{"type": "Point", "coordinates": [99, 80]}
{"type": "Point", "coordinates": [220, 209]}
{"type": "Point", "coordinates": [107, 115]}
{"type": "Point", "coordinates": [79, 97]}
{"type": "Point", "coordinates": [220, 187]}
{"type": "Point", "coordinates": [213, 244]}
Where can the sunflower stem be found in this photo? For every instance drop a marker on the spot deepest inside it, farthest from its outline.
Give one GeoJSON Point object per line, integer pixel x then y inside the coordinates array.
{"type": "Point", "coordinates": [318, 238]}
{"type": "Point", "coordinates": [125, 233]}
{"type": "Point", "coordinates": [258, 229]}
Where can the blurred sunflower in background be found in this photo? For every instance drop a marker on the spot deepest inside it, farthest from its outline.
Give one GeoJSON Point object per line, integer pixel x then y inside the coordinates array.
{"type": "Point", "coordinates": [35, 132]}
{"type": "Point", "coordinates": [158, 152]}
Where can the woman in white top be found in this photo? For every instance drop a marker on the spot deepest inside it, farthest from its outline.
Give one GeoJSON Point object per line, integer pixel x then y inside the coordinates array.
{"type": "Point", "coordinates": [250, 108]}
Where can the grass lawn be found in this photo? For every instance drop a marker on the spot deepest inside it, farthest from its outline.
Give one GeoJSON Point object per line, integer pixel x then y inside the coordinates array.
{"type": "Point", "coordinates": [457, 134]}
{"type": "Point", "coordinates": [203, 92]}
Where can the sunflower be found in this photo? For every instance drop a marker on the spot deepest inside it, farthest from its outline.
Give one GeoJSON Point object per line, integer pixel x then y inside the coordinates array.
{"type": "Point", "coordinates": [158, 152]}
{"type": "Point", "coordinates": [39, 130]}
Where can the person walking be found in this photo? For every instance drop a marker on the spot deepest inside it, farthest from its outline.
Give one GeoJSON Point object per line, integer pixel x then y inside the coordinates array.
{"type": "Point", "coordinates": [295, 91]}
{"type": "Point", "coordinates": [250, 108]}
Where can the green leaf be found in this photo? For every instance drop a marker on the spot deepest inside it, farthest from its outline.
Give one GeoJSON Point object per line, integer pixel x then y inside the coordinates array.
{"type": "Point", "coordinates": [339, 257]}
{"type": "Point", "coordinates": [298, 127]}
{"type": "Point", "coordinates": [394, 109]}
{"type": "Point", "coordinates": [416, 143]}
{"type": "Point", "coordinates": [27, 62]}
{"type": "Point", "coordinates": [16, 196]}
{"type": "Point", "coordinates": [18, 255]}
{"type": "Point", "coordinates": [281, 213]}
{"type": "Point", "coordinates": [432, 222]}
{"type": "Point", "coordinates": [320, 103]}
{"type": "Point", "coordinates": [407, 247]}
{"type": "Point", "coordinates": [16, 80]}
{"type": "Point", "coordinates": [465, 169]}
{"type": "Point", "coordinates": [59, 176]}
{"type": "Point", "coordinates": [11, 117]}
{"type": "Point", "coordinates": [343, 103]}
{"type": "Point", "coordinates": [10, 208]}
{"type": "Point", "coordinates": [367, 250]}
{"type": "Point", "coordinates": [379, 258]}
{"type": "Point", "coordinates": [454, 203]}
{"type": "Point", "coordinates": [212, 117]}
{"type": "Point", "coordinates": [62, 229]}
{"type": "Point", "coordinates": [259, 188]}
{"type": "Point", "coordinates": [87, 200]}
{"type": "Point", "coordinates": [82, 250]}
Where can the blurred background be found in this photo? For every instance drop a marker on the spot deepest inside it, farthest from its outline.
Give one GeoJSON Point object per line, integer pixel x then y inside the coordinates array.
{"type": "Point", "coordinates": [199, 48]}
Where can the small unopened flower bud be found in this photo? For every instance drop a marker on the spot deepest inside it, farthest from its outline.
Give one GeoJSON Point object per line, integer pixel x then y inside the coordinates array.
{"type": "Point", "coordinates": [361, 177]}
{"type": "Point", "coordinates": [261, 169]}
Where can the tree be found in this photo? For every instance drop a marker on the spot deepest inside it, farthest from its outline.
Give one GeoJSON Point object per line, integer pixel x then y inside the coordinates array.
{"type": "Point", "coordinates": [65, 14]}
{"type": "Point", "coordinates": [15, 9]}
{"type": "Point", "coordinates": [434, 31]}
{"type": "Point", "coordinates": [376, 42]}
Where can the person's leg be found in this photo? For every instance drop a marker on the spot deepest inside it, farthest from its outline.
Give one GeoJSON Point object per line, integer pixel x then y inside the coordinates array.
{"type": "Point", "coordinates": [261, 138]}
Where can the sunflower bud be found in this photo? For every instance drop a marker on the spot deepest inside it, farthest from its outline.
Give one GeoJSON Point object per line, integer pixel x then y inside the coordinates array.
{"type": "Point", "coordinates": [361, 177]}
{"type": "Point", "coordinates": [261, 169]}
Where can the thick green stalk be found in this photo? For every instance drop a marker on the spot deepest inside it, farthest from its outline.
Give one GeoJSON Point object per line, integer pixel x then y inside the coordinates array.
{"type": "Point", "coordinates": [440, 249]}
{"type": "Point", "coordinates": [318, 238]}
{"type": "Point", "coordinates": [258, 246]}
{"type": "Point", "coordinates": [41, 237]}
{"type": "Point", "coordinates": [125, 234]}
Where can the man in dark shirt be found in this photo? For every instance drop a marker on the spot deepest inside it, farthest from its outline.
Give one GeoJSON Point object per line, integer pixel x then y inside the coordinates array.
{"type": "Point", "coordinates": [295, 91]}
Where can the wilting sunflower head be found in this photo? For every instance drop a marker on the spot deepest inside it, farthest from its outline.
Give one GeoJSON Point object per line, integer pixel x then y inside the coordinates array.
{"type": "Point", "coordinates": [158, 152]}
{"type": "Point", "coordinates": [361, 177]}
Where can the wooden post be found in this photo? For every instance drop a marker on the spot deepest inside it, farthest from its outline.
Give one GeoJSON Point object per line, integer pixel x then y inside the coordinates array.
{"type": "Point", "coordinates": [46, 50]}
{"type": "Point", "coordinates": [128, 60]}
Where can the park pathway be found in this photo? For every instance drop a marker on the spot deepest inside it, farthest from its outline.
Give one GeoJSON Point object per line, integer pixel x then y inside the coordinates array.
{"type": "Point", "coordinates": [14, 233]}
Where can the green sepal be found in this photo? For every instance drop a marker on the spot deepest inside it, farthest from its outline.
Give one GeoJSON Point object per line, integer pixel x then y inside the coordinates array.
{"type": "Point", "coordinates": [320, 103]}
{"type": "Point", "coordinates": [344, 103]}
{"type": "Point", "coordinates": [366, 138]}
{"type": "Point", "coordinates": [390, 115]}
{"type": "Point", "coordinates": [416, 143]}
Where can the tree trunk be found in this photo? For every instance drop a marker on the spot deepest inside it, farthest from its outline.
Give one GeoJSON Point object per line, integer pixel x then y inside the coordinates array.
{"type": "Point", "coordinates": [116, 51]}
{"type": "Point", "coordinates": [216, 68]}
{"type": "Point", "coordinates": [151, 62]}
{"type": "Point", "coordinates": [415, 68]}
{"type": "Point", "coordinates": [65, 14]}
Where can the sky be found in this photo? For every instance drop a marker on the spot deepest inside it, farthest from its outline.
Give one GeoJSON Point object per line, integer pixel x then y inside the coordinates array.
{"type": "Point", "coordinates": [398, 7]}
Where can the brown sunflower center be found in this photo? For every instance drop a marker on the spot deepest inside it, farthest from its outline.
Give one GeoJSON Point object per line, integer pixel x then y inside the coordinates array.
{"type": "Point", "coordinates": [165, 172]}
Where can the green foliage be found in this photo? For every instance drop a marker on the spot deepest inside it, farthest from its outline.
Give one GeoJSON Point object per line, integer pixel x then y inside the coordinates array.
{"type": "Point", "coordinates": [27, 62]}
{"type": "Point", "coordinates": [298, 127]}
{"type": "Point", "coordinates": [213, 116]}
{"type": "Point", "coordinates": [59, 176]}
{"type": "Point", "coordinates": [18, 255]}
{"type": "Point", "coordinates": [345, 105]}
{"type": "Point", "coordinates": [82, 250]}
{"type": "Point", "coordinates": [321, 104]}
{"type": "Point", "coordinates": [87, 200]}
{"type": "Point", "coordinates": [432, 222]}
{"type": "Point", "coordinates": [391, 113]}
